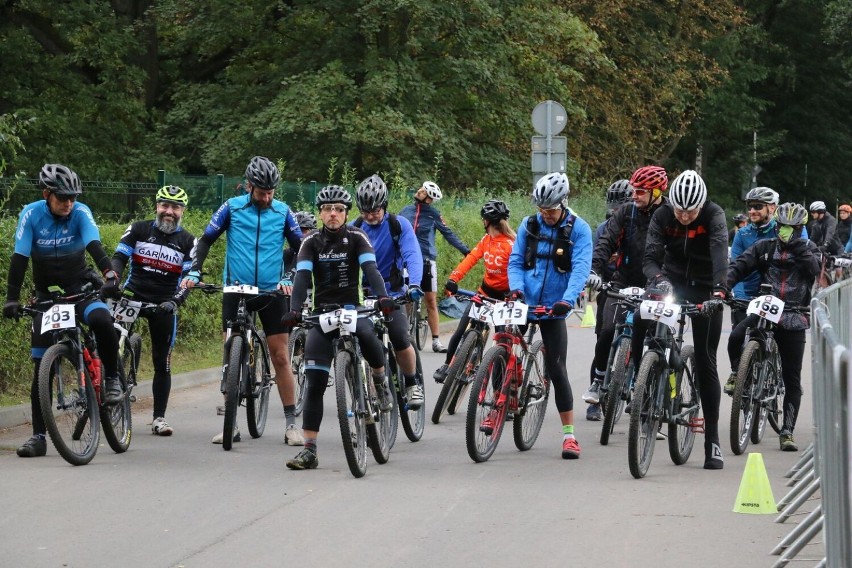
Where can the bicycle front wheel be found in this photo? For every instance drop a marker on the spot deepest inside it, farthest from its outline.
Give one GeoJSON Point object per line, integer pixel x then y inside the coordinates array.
{"type": "Point", "coordinates": [297, 362]}
{"type": "Point", "coordinates": [745, 406]}
{"type": "Point", "coordinates": [258, 383]}
{"type": "Point", "coordinates": [117, 419]}
{"type": "Point", "coordinates": [130, 358]}
{"type": "Point", "coordinates": [232, 390]}
{"type": "Point", "coordinates": [486, 410]}
{"type": "Point", "coordinates": [773, 394]}
{"type": "Point", "coordinates": [618, 389]}
{"type": "Point", "coordinates": [644, 415]}
{"type": "Point", "coordinates": [685, 406]}
{"type": "Point", "coordinates": [384, 423]}
{"type": "Point", "coordinates": [532, 401]}
{"type": "Point", "coordinates": [350, 415]}
{"type": "Point", "coordinates": [69, 409]}
{"type": "Point", "coordinates": [422, 326]}
{"type": "Point", "coordinates": [397, 385]}
{"type": "Point", "coordinates": [459, 374]}
{"type": "Point", "coordinates": [413, 419]}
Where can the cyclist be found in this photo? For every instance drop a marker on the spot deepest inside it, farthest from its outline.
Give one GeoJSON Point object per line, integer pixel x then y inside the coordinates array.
{"type": "Point", "coordinates": [56, 233]}
{"type": "Point", "coordinates": [396, 249]}
{"type": "Point", "coordinates": [257, 226]}
{"type": "Point", "coordinates": [549, 265]}
{"type": "Point", "coordinates": [790, 264]}
{"type": "Point", "coordinates": [494, 250]}
{"type": "Point", "coordinates": [159, 251]}
{"type": "Point", "coordinates": [426, 220]}
{"type": "Point", "coordinates": [686, 252]}
{"type": "Point", "coordinates": [822, 228]}
{"type": "Point", "coordinates": [740, 220]}
{"type": "Point", "coordinates": [623, 244]}
{"type": "Point", "coordinates": [844, 224]}
{"type": "Point", "coordinates": [761, 203]}
{"type": "Point", "coordinates": [330, 262]}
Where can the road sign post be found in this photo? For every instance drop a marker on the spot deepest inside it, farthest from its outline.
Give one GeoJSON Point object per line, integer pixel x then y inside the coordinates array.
{"type": "Point", "coordinates": [549, 151]}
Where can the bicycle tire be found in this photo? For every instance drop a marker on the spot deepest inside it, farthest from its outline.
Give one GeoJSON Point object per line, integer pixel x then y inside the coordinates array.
{"type": "Point", "coordinates": [397, 382]}
{"type": "Point", "coordinates": [232, 390]}
{"type": "Point", "coordinates": [617, 390]}
{"type": "Point", "coordinates": [297, 363]}
{"type": "Point", "coordinates": [465, 376]}
{"type": "Point", "coordinates": [75, 429]}
{"type": "Point", "coordinates": [488, 386]}
{"type": "Point", "coordinates": [682, 436]}
{"type": "Point", "coordinates": [532, 399]}
{"type": "Point", "coordinates": [744, 408]}
{"type": "Point", "coordinates": [130, 358]}
{"type": "Point", "coordinates": [774, 380]}
{"type": "Point", "coordinates": [350, 416]}
{"type": "Point", "coordinates": [458, 365]}
{"type": "Point", "coordinates": [422, 326]}
{"type": "Point", "coordinates": [644, 418]}
{"type": "Point", "coordinates": [258, 385]}
{"type": "Point", "coordinates": [117, 419]}
{"type": "Point", "coordinates": [384, 422]}
{"type": "Point", "coordinates": [413, 420]}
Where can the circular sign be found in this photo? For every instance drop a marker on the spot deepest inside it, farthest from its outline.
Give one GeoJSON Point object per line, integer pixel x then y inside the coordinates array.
{"type": "Point", "coordinates": [549, 118]}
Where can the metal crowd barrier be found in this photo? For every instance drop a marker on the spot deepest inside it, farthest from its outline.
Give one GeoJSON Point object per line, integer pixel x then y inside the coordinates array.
{"type": "Point", "coordinates": [825, 467]}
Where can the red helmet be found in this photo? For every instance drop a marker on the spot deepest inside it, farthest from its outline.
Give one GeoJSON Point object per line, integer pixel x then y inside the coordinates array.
{"type": "Point", "coordinates": [650, 177]}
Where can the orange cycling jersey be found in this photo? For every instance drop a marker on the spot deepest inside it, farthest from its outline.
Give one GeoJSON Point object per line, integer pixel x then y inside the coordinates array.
{"type": "Point", "coordinates": [495, 252]}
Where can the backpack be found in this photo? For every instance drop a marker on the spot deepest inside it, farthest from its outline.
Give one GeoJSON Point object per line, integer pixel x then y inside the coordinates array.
{"type": "Point", "coordinates": [563, 246]}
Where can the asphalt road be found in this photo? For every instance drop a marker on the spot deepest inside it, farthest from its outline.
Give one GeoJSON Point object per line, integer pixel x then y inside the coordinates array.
{"type": "Point", "coordinates": [181, 501]}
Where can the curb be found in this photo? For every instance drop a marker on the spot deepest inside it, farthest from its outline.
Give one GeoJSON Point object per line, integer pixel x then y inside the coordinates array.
{"type": "Point", "coordinates": [12, 416]}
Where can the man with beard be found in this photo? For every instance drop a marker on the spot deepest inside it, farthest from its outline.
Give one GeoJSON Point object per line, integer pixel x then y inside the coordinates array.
{"type": "Point", "coordinates": [257, 225]}
{"type": "Point", "coordinates": [159, 252]}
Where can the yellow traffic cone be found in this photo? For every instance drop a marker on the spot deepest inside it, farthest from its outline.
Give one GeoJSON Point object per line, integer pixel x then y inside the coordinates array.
{"type": "Point", "coordinates": [755, 494]}
{"type": "Point", "coordinates": [588, 317]}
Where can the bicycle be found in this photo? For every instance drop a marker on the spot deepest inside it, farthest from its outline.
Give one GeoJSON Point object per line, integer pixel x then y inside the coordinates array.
{"type": "Point", "coordinates": [510, 379]}
{"type": "Point", "coordinates": [418, 324]}
{"type": "Point", "coordinates": [246, 369]}
{"type": "Point", "coordinates": [620, 374]}
{"type": "Point", "coordinates": [665, 390]}
{"type": "Point", "coordinates": [362, 422]}
{"type": "Point", "coordinates": [297, 361]}
{"type": "Point", "coordinates": [413, 419]}
{"type": "Point", "coordinates": [125, 312]}
{"type": "Point", "coordinates": [468, 356]}
{"type": "Point", "coordinates": [69, 384]}
{"type": "Point", "coordinates": [759, 393]}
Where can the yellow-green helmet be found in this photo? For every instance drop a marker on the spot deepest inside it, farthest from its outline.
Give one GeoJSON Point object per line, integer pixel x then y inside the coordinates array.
{"type": "Point", "coordinates": [791, 214]}
{"type": "Point", "coordinates": [173, 194]}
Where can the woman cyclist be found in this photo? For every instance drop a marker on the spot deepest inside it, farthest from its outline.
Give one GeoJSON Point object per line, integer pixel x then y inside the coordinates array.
{"type": "Point", "coordinates": [494, 248]}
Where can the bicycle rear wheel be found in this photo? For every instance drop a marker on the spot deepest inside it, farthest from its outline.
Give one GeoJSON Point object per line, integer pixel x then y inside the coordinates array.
{"type": "Point", "coordinates": [384, 422]}
{"type": "Point", "coordinates": [745, 406]}
{"type": "Point", "coordinates": [259, 383]}
{"type": "Point", "coordinates": [130, 358]}
{"type": "Point", "coordinates": [466, 373]}
{"type": "Point", "coordinates": [75, 427]}
{"type": "Point", "coordinates": [413, 419]}
{"type": "Point", "coordinates": [117, 419]}
{"type": "Point", "coordinates": [644, 416]}
{"type": "Point", "coordinates": [486, 410]}
{"type": "Point", "coordinates": [618, 389]}
{"type": "Point", "coordinates": [681, 434]}
{"type": "Point", "coordinates": [297, 362]}
{"type": "Point", "coordinates": [772, 384]}
{"type": "Point", "coordinates": [532, 400]}
{"type": "Point", "coordinates": [397, 385]}
{"type": "Point", "coordinates": [349, 413]}
{"type": "Point", "coordinates": [232, 390]}
{"type": "Point", "coordinates": [422, 326]}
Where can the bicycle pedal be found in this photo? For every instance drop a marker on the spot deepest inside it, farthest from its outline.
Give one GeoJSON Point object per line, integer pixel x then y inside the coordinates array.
{"type": "Point", "coordinates": [132, 398]}
{"type": "Point", "coordinates": [220, 410]}
{"type": "Point", "coordinates": [696, 425]}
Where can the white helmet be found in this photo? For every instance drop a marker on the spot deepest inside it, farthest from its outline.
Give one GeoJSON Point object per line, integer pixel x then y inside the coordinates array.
{"type": "Point", "coordinates": [688, 191]}
{"type": "Point", "coordinates": [432, 190]}
{"type": "Point", "coordinates": [762, 195]}
{"type": "Point", "coordinates": [817, 206]}
{"type": "Point", "coordinates": [551, 190]}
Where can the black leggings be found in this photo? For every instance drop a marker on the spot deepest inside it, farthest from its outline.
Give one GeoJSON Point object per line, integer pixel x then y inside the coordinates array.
{"type": "Point", "coordinates": [554, 335]}
{"type": "Point", "coordinates": [163, 328]}
{"type": "Point", "coordinates": [791, 348]}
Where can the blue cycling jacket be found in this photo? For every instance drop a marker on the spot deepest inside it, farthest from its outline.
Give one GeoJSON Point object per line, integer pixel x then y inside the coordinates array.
{"type": "Point", "coordinates": [408, 255]}
{"type": "Point", "coordinates": [255, 240]}
{"type": "Point", "coordinates": [426, 220]}
{"type": "Point", "coordinates": [543, 284]}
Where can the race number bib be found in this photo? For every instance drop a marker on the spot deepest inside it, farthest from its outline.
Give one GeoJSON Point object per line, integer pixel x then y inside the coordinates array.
{"type": "Point", "coordinates": [481, 312]}
{"type": "Point", "coordinates": [241, 289]}
{"type": "Point", "coordinates": [842, 262]}
{"type": "Point", "coordinates": [330, 321]}
{"type": "Point", "coordinates": [59, 316]}
{"type": "Point", "coordinates": [663, 312]}
{"type": "Point", "coordinates": [509, 313]}
{"type": "Point", "coordinates": [126, 310]}
{"type": "Point", "coordinates": [768, 307]}
{"type": "Point", "coordinates": [632, 291]}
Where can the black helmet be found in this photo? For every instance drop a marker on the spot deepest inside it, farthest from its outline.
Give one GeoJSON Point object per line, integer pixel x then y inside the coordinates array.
{"type": "Point", "coordinates": [740, 218]}
{"type": "Point", "coordinates": [60, 180]}
{"type": "Point", "coordinates": [619, 192]}
{"type": "Point", "coordinates": [262, 173]}
{"type": "Point", "coordinates": [372, 194]}
{"type": "Point", "coordinates": [306, 220]}
{"type": "Point", "coordinates": [334, 194]}
{"type": "Point", "coordinates": [494, 210]}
